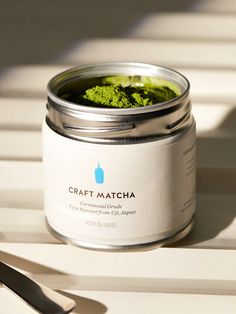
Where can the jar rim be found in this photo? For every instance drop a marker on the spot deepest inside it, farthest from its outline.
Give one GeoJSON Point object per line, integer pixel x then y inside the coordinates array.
{"type": "Point", "coordinates": [100, 124]}
{"type": "Point", "coordinates": [97, 70]}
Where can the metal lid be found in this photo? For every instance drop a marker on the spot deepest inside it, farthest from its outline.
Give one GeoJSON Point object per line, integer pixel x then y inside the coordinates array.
{"type": "Point", "coordinates": [117, 124]}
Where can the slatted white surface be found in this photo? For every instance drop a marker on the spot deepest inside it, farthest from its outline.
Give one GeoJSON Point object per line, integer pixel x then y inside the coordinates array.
{"type": "Point", "coordinates": [196, 275]}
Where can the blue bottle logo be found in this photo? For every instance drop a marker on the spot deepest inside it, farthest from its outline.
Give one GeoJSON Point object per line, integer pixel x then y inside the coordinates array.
{"type": "Point", "coordinates": [99, 175]}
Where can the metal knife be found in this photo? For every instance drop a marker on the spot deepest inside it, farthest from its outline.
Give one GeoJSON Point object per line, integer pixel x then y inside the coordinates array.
{"type": "Point", "coordinates": [41, 298]}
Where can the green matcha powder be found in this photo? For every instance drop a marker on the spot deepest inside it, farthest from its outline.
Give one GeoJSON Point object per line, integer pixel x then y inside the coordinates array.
{"type": "Point", "coordinates": [128, 96]}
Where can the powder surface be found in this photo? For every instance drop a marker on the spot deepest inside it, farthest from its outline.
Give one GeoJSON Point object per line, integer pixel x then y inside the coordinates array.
{"type": "Point", "coordinates": [125, 92]}
{"type": "Point", "coordinates": [128, 96]}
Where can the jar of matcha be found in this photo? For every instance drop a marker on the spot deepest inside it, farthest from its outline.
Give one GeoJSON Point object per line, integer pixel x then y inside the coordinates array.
{"type": "Point", "coordinates": [119, 156]}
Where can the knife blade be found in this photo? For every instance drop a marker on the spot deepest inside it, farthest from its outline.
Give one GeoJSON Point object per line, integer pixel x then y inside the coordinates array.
{"type": "Point", "coordinates": [41, 298]}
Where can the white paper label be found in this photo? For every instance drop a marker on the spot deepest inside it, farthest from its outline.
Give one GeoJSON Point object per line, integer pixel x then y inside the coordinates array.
{"type": "Point", "coordinates": [119, 194]}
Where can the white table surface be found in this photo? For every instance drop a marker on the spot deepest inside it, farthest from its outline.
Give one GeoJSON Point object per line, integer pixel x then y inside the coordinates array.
{"type": "Point", "coordinates": [196, 275]}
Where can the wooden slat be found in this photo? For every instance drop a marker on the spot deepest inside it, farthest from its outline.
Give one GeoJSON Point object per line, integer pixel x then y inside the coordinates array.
{"type": "Point", "coordinates": [21, 198]}
{"type": "Point", "coordinates": [215, 119]}
{"type": "Point", "coordinates": [215, 86]}
{"type": "Point", "coordinates": [28, 226]}
{"type": "Point", "coordinates": [211, 86]}
{"type": "Point", "coordinates": [21, 184]}
{"type": "Point", "coordinates": [215, 224]}
{"type": "Point", "coordinates": [27, 81]}
{"type": "Point", "coordinates": [22, 114]}
{"type": "Point", "coordinates": [183, 25]}
{"type": "Point", "coordinates": [21, 175]}
{"type": "Point", "coordinates": [121, 302]}
{"type": "Point", "coordinates": [109, 302]}
{"type": "Point", "coordinates": [216, 180]}
{"type": "Point", "coordinates": [174, 270]}
{"type": "Point", "coordinates": [216, 153]}
{"type": "Point", "coordinates": [20, 145]}
{"type": "Point", "coordinates": [175, 53]}
{"type": "Point", "coordinates": [226, 7]}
